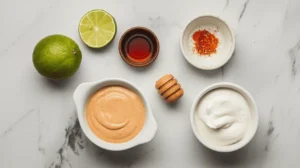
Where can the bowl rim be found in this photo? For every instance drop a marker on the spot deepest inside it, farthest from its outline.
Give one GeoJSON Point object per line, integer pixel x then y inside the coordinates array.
{"type": "Point", "coordinates": [231, 50]}
{"type": "Point", "coordinates": [238, 89]}
{"type": "Point", "coordinates": [155, 54]}
{"type": "Point", "coordinates": [146, 134]}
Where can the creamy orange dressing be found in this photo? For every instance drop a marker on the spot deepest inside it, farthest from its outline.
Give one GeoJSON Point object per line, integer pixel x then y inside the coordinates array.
{"type": "Point", "coordinates": [115, 114]}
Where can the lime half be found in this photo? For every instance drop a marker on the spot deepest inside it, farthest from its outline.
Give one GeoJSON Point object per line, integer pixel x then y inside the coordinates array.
{"type": "Point", "coordinates": [97, 28]}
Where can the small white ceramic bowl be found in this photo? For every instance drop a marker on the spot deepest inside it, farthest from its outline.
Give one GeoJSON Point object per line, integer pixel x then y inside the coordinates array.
{"type": "Point", "coordinates": [252, 126]}
{"type": "Point", "coordinates": [81, 97]}
{"type": "Point", "coordinates": [221, 30]}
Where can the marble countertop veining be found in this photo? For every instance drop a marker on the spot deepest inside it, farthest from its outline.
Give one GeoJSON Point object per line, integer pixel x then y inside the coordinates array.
{"type": "Point", "coordinates": [38, 123]}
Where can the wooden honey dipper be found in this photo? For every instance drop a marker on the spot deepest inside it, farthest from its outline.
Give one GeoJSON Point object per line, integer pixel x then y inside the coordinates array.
{"type": "Point", "coordinates": [168, 88]}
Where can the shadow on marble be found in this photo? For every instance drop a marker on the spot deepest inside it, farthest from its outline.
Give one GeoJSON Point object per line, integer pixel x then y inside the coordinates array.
{"type": "Point", "coordinates": [227, 65]}
{"type": "Point", "coordinates": [98, 51]}
{"type": "Point", "coordinates": [176, 104]}
{"type": "Point", "coordinates": [228, 158]}
{"type": "Point", "coordinates": [59, 84]}
{"type": "Point", "coordinates": [126, 158]}
{"type": "Point", "coordinates": [232, 60]}
{"type": "Point", "coordinates": [206, 73]}
{"type": "Point", "coordinates": [142, 69]}
{"type": "Point", "coordinates": [239, 157]}
{"type": "Point", "coordinates": [209, 74]}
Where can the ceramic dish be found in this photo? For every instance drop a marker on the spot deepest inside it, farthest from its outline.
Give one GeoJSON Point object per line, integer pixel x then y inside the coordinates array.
{"type": "Point", "coordinates": [143, 33]}
{"type": "Point", "coordinates": [252, 126]}
{"type": "Point", "coordinates": [81, 97]}
{"type": "Point", "coordinates": [225, 47]}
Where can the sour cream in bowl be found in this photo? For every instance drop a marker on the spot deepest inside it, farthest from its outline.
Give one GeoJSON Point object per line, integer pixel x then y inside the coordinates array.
{"type": "Point", "coordinates": [224, 117]}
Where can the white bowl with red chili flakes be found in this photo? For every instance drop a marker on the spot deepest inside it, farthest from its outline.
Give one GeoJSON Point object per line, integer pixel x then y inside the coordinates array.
{"type": "Point", "coordinates": [207, 42]}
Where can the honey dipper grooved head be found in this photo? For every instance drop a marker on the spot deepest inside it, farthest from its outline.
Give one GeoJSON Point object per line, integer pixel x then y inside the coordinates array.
{"type": "Point", "coordinates": [171, 90]}
{"type": "Point", "coordinates": [175, 96]}
{"type": "Point", "coordinates": [163, 80]}
{"type": "Point", "coordinates": [168, 88]}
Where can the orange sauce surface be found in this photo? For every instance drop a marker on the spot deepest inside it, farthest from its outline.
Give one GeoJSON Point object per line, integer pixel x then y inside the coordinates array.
{"type": "Point", "coordinates": [115, 114]}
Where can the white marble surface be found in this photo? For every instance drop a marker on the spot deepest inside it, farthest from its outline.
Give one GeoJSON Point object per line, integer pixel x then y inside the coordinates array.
{"type": "Point", "coordinates": [37, 118]}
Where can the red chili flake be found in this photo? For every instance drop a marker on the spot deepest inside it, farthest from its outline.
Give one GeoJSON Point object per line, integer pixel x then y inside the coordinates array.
{"type": "Point", "coordinates": [205, 42]}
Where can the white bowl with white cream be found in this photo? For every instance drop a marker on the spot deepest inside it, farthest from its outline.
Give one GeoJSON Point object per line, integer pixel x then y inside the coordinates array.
{"type": "Point", "coordinates": [224, 117]}
{"type": "Point", "coordinates": [221, 31]}
{"type": "Point", "coordinates": [85, 91]}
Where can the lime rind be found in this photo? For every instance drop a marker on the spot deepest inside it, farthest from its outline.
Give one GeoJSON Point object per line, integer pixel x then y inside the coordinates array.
{"type": "Point", "coordinates": [56, 57]}
{"type": "Point", "coordinates": [97, 28]}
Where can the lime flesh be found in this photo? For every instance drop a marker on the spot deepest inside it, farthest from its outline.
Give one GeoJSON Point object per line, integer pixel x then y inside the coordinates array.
{"type": "Point", "coordinates": [56, 57]}
{"type": "Point", "coordinates": [97, 28]}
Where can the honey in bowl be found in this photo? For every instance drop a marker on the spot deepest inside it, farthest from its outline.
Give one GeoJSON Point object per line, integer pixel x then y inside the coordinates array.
{"type": "Point", "coordinates": [115, 114]}
{"type": "Point", "coordinates": [139, 48]}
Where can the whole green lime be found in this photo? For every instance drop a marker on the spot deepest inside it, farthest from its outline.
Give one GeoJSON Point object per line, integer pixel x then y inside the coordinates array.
{"type": "Point", "coordinates": [56, 57]}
